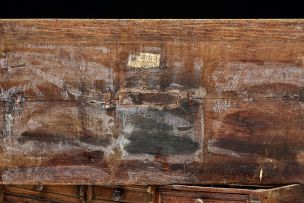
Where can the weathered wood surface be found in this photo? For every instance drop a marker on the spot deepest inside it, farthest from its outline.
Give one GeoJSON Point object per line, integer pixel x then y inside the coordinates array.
{"type": "Point", "coordinates": [142, 194]}
{"type": "Point", "coordinates": [190, 194]}
{"type": "Point", "coordinates": [43, 193]}
{"type": "Point", "coordinates": [152, 101]}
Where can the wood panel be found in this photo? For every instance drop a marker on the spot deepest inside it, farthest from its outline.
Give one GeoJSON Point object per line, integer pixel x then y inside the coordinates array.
{"type": "Point", "coordinates": [151, 101]}
{"type": "Point", "coordinates": [196, 194]}
{"type": "Point", "coordinates": [42, 193]}
{"type": "Point", "coordinates": [132, 194]}
{"type": "Point", "coordinates": [258, 137]}
{"type": "Point", "coordinates": [161, 194]}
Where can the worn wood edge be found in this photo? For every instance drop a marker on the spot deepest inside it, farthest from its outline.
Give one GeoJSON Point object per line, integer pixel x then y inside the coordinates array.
{"type": "Point", "coordinates": [161, 24]}
{"type": "Point", "coordinates": [281, 187]}
{"type": "Point", "coordinates": [46, 196]}
{"type": "Point", "coordinates": [155, 19]}
{"type": "Point", "coordinates": [205, 189]}
{"type": "Point", "coordinates": [291, 193]}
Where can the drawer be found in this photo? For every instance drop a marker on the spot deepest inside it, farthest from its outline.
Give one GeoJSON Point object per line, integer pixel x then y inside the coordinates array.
{"type": "Point", "coordinates": [110, 194]}
{"type": "Point", "coordinates": [42, 193]}
{"type": "Point", "coordinates": [195, 194]}
{"type": "Point", "coordinates": [156, 194]}
{"type": "Point", "coordinates": [202, 197]}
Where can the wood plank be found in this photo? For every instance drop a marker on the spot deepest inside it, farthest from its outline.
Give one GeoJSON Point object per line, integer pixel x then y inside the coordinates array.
{"type": "Point", "coordinates": [164, 30]}
{"type": "Point", "coordinates": [237, 79]}
{"type": "Point", "coordinates": [254, 141]}
{"type": "Point", "coordinates": [151, 101]}
{"type": "Point", "coordinates": [10, 198]}
{"type": "Point", "coordinates": [49, 137]}
{"type": "Point", "coordinates": [31, 194]}
{"type": "Point", "coordinates": [183, 193]}
{"type": "Point", "coordinates": [285, 194]}
{"type": "Point", "coordinates": [128, 194]}
{"type": "Point", "coordinates": [67, 190]}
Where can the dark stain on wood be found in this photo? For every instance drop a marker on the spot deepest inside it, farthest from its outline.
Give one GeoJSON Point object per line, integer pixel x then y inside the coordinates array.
{"type": "Point", "coordinates": [189, 106]}
{"type": "Point", "coordinates": [152, 137]}
{"type": "Point", "coordinates": [161, 131]}
{"type": "Point", "coordinates": [105, 140]}
{"type": "Point", "coordinates": [152, 98]}
{"type": "Point", "coordinates": [45, 138]}
{"type": "Point", "coordinates": [284, 91]}
{"type": "Point", "coordinates": [278, 151]}
{"type": "Point", "coordinates": [301, 95]}
{"type": "Point", "coordinates": [76, 158]}
{"type": "Point", "coordinates": [249, 120]}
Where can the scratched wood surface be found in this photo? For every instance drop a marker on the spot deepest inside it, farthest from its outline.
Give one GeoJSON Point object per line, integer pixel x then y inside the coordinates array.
{"type": "Point", "coordinates": [151, 101]}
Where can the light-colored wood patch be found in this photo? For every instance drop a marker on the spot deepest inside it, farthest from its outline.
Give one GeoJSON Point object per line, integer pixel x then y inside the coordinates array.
{"type": "Point", "coordinates": [144, 60]}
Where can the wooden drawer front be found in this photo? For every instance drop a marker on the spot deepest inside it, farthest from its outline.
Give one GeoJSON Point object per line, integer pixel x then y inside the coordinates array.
{"type": "Point", "coordinates": [201, 197]}
{"type": "Point", "coordinates": [194, 194]}
{"type": "Point", "coordinates": [123, 194]}
{"type": "Point", "coordinates": [139, 194]}
{"type": "Point", "coordinates": [50, 193]}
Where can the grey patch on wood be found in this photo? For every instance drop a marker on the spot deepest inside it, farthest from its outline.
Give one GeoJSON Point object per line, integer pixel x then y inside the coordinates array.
{"type": "Point", "coordinates": [158, 131]}
{"type": "Point", "coordinates": [152, 137]}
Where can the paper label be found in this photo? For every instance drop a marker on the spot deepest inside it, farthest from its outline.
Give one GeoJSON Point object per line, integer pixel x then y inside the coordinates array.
{"type": "Point", "coordinates": [144, 60]}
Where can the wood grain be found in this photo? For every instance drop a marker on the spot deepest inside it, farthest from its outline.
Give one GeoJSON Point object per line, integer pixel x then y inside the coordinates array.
{"type": "Point", "coordinates": [182, 193]}
{"type": "Point", "coordinates": [31, 193]}
{"type": "Point", "coordinates": [160, 194]}
{"type": "Point", "coordinates": [151, 101]}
